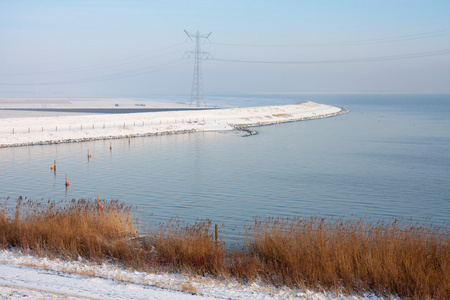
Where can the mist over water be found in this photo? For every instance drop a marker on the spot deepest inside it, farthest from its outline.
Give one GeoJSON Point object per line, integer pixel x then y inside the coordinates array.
{"type": "Point", "coordinates": [387, 158]}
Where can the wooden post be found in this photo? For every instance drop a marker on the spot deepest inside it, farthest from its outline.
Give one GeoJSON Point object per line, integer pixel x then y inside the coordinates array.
{"type": "Point", "coordinates": [54, 165]}
{"type": "Point", "coordinates": [88, 154]}
{"type": "Point", "coordinates": [98, 205]}
{"type": "Point", "coordinates": [110, 146]}
{"type": "Point", "coordinates": [66, 180]}
{"type": "Point", "coordinates": [216, 233]}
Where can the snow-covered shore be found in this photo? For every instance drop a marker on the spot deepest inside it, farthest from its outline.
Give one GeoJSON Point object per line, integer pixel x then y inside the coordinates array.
{"type": "Point", "coordinates": [25, 276]}
{"type": "Point", "coordinates": [65, 129]}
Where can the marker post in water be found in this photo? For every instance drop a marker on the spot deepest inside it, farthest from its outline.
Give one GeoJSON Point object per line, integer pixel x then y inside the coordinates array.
{"type": "Point", "coordinates": [67, 183]}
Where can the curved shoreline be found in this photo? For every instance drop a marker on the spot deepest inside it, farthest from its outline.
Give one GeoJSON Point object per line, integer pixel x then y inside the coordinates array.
{"type": "Point", "coordinates": [26, 132]}
{"type": "Point", "coordinates": [81, 140]}
{"type": "Point", "coordinates": [246, 127]}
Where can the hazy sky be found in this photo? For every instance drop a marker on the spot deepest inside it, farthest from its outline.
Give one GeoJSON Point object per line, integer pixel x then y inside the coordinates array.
{"type": "Point", "coordinates": [133, 48]}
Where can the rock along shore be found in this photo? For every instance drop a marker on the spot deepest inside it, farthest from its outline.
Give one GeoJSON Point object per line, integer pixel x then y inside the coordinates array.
{"type": "Point", "coordinates": [250, 132]}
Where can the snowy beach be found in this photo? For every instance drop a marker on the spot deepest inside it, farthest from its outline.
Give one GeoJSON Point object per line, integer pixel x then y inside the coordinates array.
{"type": "Point", "coordinates": [17, 131]}
{"type": "Point", "coordinates": [25, 276]}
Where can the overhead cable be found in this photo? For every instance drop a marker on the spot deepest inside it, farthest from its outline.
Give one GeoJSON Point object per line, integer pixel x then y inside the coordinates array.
{"type": "Point", "coordinates": [400, 38]}
{"type": "Point", "coordinates": [119, 62]}
{"type": "Point", "coordinates": [343, 61]}
{"type": "Point", "coordinates": [131, 73]}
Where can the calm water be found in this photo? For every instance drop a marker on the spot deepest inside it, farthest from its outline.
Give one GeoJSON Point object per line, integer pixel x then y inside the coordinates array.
{"type": "Point", "coordinates": [389, 157]}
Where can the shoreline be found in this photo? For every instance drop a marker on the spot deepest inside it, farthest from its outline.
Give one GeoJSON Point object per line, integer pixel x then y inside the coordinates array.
{"type": "Point", "coordinates": [250, 132]}
{"type": "Point", "coordinates": [18, 132]}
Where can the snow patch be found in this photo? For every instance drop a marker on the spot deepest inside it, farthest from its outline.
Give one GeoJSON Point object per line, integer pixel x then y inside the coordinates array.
{"type": "Point", "coordinates": [23, 275]}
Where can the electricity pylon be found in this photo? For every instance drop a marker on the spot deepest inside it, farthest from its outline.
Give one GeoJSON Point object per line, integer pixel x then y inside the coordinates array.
{"type": "Point", "coordinates": [197, 82]}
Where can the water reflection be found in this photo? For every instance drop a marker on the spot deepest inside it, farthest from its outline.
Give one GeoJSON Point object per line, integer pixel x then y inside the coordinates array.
{"type": "Point", "coordinates": [374, 162]}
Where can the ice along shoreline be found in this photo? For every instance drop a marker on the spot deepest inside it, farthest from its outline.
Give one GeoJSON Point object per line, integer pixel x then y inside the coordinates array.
{"type": "Point", "coordinates": [16, 132]}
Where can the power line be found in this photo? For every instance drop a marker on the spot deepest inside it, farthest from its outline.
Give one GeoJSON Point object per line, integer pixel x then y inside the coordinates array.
{"type": "Point", "coordinates": [104, 65]}
{"type": "Point", "coordinates": [131, 73]}
{"type": "Point", "coordinates": [198, 54]}
{"type": "Point", "coordinates": [343, 61]}
{"type": "Point", "coordinates": [197, 84]}
{"type": "Point", "coordinates": [400, 38]}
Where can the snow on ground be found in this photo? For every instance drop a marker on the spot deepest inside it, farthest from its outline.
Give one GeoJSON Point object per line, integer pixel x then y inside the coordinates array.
{"type": "Point", "coordinates": [57, 129]}
{"type": "Point", "coordinates": [25, 276]}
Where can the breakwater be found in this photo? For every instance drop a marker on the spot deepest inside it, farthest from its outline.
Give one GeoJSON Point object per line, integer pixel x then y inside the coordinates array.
{"type": "Point", "coordinates": [89, 139]}
{"type": "Point", "coordinates": [150, 124]}
{"type": "Point", "coordinates": [249, 132]}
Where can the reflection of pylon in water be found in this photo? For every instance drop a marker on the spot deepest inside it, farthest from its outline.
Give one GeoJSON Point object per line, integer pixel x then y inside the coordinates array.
{"type": "Point", "coordinates": [197, 83]}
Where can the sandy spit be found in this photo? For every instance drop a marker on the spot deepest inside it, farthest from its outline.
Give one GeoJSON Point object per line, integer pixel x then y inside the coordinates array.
{"type": "Point", "coordinates": [68, 129]}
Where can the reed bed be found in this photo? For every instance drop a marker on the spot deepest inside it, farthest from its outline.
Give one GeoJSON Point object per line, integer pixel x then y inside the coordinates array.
{"type": "Point", "coordinates": [351, 257]}
{"type": "Point", "coordinates": [71, 229]}
{"type": "Point", "coordinates": [185, 247]}
{"type": "Point", "coordinates": [387, 258]}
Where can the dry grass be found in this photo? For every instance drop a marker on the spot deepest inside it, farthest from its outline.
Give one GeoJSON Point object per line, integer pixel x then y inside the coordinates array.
{"type": "Point", "coordinates": [78, 228]}
{"type": "Point", "coordinates": [386, 258]}
{"type": "Point", "coordinates": [186, 247]}
{"type": "Point", "coordinates": [188, 288]}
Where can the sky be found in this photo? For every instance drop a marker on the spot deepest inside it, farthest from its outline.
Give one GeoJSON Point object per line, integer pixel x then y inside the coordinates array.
{"type": "Point", "coordinates": [138, 48]}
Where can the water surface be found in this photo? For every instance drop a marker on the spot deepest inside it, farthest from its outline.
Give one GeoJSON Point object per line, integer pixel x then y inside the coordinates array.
{"type": "Point", "coordinates": [389, 157]}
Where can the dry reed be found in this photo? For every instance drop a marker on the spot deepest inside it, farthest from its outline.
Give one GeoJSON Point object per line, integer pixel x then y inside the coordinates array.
{"type": "Point", "coordinates": [189, 247]}
{"type": "Point", "coordinates": [77, 228]}
{"type": "Point", "coordinates": [354, 256]}
{"type": "Point", "coordinates": [411, 260]}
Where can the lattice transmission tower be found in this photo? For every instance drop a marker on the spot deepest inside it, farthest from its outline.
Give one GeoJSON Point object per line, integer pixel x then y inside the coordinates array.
{"type": "Point", "coordinates": [198, 54]}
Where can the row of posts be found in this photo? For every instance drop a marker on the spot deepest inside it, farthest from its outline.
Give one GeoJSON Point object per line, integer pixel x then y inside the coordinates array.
{"type": "Point", "coordinates": [124, 125]}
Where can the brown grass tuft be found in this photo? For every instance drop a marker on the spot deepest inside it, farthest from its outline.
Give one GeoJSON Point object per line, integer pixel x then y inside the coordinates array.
{"type": "Point", "coordinates": [189, 288]}
{"type": "Point", "coordinates": [189, 247]}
